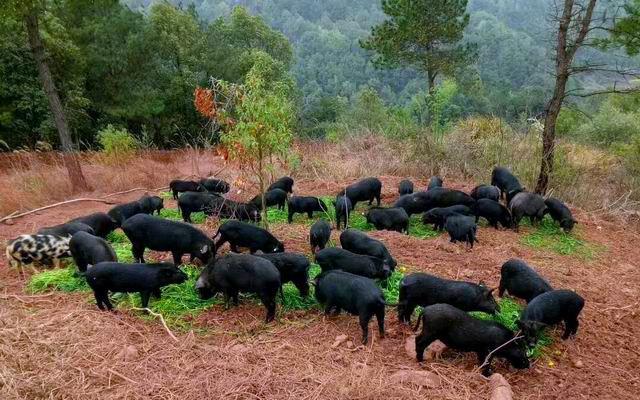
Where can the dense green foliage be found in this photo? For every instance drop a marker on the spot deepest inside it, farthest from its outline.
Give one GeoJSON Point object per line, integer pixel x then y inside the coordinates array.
{"type": "Point", "coordinates": [425, 34]}
{"type": "Point", "coordinates": [134, 64]}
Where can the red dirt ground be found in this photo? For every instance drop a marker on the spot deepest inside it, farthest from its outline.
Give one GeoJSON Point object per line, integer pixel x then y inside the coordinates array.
{"type": "Point", "coordinates": [61, 346]}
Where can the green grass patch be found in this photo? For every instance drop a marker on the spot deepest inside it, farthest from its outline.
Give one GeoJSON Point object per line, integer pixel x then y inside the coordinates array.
{"type": "Point", "coordinates": [550, 236]}
{"type": "Point", "coordinates": [63, 280]}
{"type": "Point", "coordinates": [179, 304]}
{"type": "Point", "coordinates": [166, 195]}
{"type": "Point", "coordinates": [292, 298]}
{"type": "Point", "coordinates": [175, 215]}
{"type": "Point", "coordinates": [121, 245]}
{"type": "Point", "coordinates": [510, 313]}
{"type": "Point", "coordinates": [392, 291]}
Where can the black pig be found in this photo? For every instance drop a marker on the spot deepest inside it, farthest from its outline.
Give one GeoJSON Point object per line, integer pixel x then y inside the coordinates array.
{"type": "Point", "coordinates": [285, 183]}
{"type": "Point", "coordinates": [336, 258]}
{"type": "Point", "coordinates": [242, 234]}
{"type": "Point", "coordinates": [293, 267]}
{"type": "Point", "coordinates": [145, 231]}
{"type": "Point", "coordinates": [391, 219]}
{"type": "Point", "coordinates": [421, 289]}
{"type": "Point", "coordinates": [357, 295]}
{"type": "Point", "coordinates": [438, 216]}
{"type": "Point", "coordinates": [363, 190]}
{"type": "Point", "coordinates": [101, 223]}
{"type": "Point", "coordinates": [359, 243]}
{"type": "Point", "coordinates": [521, 281]}
{"type": "Point", "coordinates": [144, 278]}
{"type": "Point", "coordinates": [236, 273]}
{"type": "Point", "coordinates": [179, 186]}
{"type": "Point", "coordinates": [493, 211]}
{"type": "Point", "coordinates": [405, 187]}
{"type": "Point", "coordinates": [461, 228]}
{"type": "Point", "coordinates": [319, 235]}
{"type": "Point", "coordinates": [460, 331]}
{"type": "Point", "coordinates": [486, 192]}
{"type": "Point", "coordinates": [343, 208]}
{"type": "Point", "coordinates": [548, 309]}
{"type": "Point", "coordinates": [305, 204]}
{"type": "Point", "coordinates": [87, 249]}
{"type": "Point", "coordinates": [560, 213]}
{"type": "Point", "coordinates": [525, 204]}
{"type": "Point", "coordinates": [274, 197]}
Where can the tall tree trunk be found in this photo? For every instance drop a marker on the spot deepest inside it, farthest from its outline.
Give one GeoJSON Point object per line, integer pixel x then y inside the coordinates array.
{"type": "Point", "coordinates": [565, 53]}
{"type": "Point", "coordinates": [431, 77]}
{"type": "Point", "coordinates": [549, 136]}
{"type": "Point", "coordinates": [71, 162]}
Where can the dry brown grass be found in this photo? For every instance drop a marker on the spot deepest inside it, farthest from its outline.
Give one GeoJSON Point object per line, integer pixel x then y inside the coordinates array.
{"type": "Point", "coordinates": [37, 179]}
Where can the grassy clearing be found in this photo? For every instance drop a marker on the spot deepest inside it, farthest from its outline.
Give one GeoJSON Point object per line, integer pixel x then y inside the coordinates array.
{"type": "Point", "coordinates": [357, 219]}
{"type": "Point", "coordinates": [508, 315]}
{"type": "Point", "coordinates": [175, 215]}
{"type": "Point", "coordinates": [63, 280]}
{"type": "Point", "coordinates": [549, 236]}
{"type": "Point", "coordinates": [179, 304]}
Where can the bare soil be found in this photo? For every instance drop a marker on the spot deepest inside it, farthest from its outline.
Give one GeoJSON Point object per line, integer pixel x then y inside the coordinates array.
{"type": "Point", "coordinates": [60, 345]}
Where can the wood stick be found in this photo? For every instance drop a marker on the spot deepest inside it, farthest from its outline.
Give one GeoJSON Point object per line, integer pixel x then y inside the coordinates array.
{"type": "Point", "coordinates": [155, 314]}
{"type": "Point", "coordinates": [14, 215]}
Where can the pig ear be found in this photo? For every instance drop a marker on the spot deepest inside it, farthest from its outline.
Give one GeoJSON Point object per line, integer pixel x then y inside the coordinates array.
{"type": "Point", "coordinates": [204, 248]}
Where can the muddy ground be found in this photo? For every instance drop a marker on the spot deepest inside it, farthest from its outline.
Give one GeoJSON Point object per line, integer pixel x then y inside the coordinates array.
{"type": "Point", "coordinates": [60, 345]}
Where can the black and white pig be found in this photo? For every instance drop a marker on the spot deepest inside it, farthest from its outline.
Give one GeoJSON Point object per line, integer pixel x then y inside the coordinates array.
{"type": "Point", "coordinates": [87, 249]}
{"type": "Point", "coordinates": [25, 249]}
{"type": "Point", "coordinates": [242, 234]}
{"type": "Point", "coordinates": [420, 289]}
{"type": "Point", "coordinates": [521, 281]}
{"type": "Point", "coordinates": [357, 295]}
{"type": "Point", "coordinates": [235, 273]}
{"type": "Point", "coordinates": [460, 331]}
{"type": "Point", "coordinates": [145, 231]}
{"type": "Point", "coordinates": [147, 279]}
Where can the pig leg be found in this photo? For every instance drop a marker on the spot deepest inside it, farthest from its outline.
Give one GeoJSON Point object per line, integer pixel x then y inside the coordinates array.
{"type": "Point", "coordinates": [423, 340]}
{"type": "Point", "coordinates": [186, 216]}
{"type": "Point", "coordinates": [156, 293]}
{"type": "Point", "coordinates": [327, 309]}
{"type": "Point", "coordinates": [380, 319]}
{"type": "Point", "coordinates": [104, 296]}
{"type": "Point", "coordinates": [98, 295]}
{"type": "Point", "coordinates": [138, 252]}
{"type": "Point", "coordinates": [270, 304]}
{"type": "Point", "coordinates": [501, 288]}
{"type": "Point", "coordinates": [177, 258]}
{"type": "Point", "coordinates": [378, 199]}
{"type": "Point", "coordinates": [310, 214]}
{"type": "Point", "coordinates": [234, 296]}
{"type": "Point", "coordinates": [364, 324]}
{"type": "Point", "coordinates": [290, 216]}
{"type": "Point", "coordinates": [570, 328]}
{"type": "Point", "coordinates": [145, 298]}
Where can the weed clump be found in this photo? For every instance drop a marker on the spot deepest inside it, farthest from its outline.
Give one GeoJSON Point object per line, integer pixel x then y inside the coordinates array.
{"type": "Point", "coordinates": [175, 215]}
{"type": "Point", "coordinates": [550, 236]}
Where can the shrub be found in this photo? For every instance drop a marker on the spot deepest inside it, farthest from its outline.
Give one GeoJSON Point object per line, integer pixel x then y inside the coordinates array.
{"type": "Point", "coordinates": [118, 145]}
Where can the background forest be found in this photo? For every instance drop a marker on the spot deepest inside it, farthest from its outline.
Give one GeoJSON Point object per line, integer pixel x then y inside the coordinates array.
{"type": "Point", "coordinates": [135, 64]}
